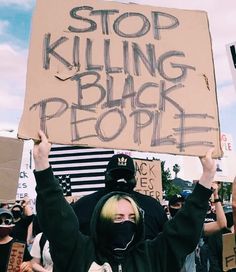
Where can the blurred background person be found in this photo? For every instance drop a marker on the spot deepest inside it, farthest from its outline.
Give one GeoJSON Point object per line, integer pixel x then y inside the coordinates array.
{"type": "Point", "coordinates": [7, 241]}
{"type": "Point", "coordinates": [120, 176]}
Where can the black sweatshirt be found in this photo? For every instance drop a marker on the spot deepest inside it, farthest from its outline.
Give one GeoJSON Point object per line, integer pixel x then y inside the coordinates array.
{"type": "Point", "coordinates": [72, 251]}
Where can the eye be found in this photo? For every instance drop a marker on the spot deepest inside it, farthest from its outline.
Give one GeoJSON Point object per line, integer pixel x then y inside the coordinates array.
{"type": "Point", "coordinates": [118, 218]}
{"type": "Point", "coordinates": [132, 218]}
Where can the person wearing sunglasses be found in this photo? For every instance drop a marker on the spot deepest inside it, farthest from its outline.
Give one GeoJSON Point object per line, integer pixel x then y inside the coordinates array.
{"type": "Point", "coordinates": [7, 244]}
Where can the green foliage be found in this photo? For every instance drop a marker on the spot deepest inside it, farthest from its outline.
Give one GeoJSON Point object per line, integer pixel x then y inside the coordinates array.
{"type": "Point", "coordinates": [172, 190]}
{"type": "Point", "coordinates": [167, 185]}
{"type": "Point", "coordinates": [225, 191]}
{"type": "Point", "coordinates": [176, 169]}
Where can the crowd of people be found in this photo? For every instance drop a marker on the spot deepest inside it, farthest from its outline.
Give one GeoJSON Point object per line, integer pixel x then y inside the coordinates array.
{"type": "Point", "coordinates": [116, 228]}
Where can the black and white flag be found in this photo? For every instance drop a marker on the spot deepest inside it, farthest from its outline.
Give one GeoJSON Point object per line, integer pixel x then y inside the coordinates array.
{"type": "Point", "coordinates": [80, 170]}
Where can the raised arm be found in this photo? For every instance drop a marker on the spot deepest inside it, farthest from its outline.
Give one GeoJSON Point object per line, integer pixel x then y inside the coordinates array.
{"type": "Point", "coordinates": [41, 153]}
{"type": "Point", "coordinates": [221, 222]}
{"type": "Point", "coordinates": [56, 217]}
{"type": "Point", "coordinates": [209, 169]}
{"type": "Point", "coordinates": [184, 230]}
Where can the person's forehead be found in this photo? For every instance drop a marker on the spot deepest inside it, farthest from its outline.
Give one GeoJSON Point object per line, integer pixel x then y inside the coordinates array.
{"type": "Point", "coordinates": [124, 206]}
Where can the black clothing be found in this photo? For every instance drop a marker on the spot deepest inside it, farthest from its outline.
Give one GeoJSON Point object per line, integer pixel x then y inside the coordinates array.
{"type": "Point", "coordinates": [72, 251]}
{"type": "Point", "coordinates": [36, 228]}
{"type": "Point", "coordinates": [215, 245]}
{"type": "Point", "coordinates": [20, 230]}
{"type": "Point", "coordinates": [4, 254]}
{"type": "Point", "coordinates": [154, 214]}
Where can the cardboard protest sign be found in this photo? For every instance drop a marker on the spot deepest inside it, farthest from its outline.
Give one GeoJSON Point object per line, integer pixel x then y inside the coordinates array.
{"type": "Point", "coordinates": [26, 182]}
{"type": "Point", "coordinates": [229, 251]}
{"type": "Point", "coordinates": [10, 162]}
{"type": "Point", "coordinates": [16, 257]}
{"type": "Point", "coordinates": [124, 76]}
{"type": "Point", "coordinates": [148, 178]}
{"type": "Point", "coordinates": [225, 171]}
{"type": "Point", "coordinates": [231, 53]}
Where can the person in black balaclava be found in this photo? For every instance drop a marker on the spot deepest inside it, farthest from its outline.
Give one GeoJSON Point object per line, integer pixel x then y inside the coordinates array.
{"type": "Point", "coordinates": [120, 176]}
{"type": "Point", "coordinates": [175, 203]}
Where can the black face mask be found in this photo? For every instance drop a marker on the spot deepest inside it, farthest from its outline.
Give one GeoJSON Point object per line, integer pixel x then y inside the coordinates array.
{"type": "Point", "coordinates": [173, 211]}
{"type": "Point", "coordinates": [120, 181]}
{"type": "Point", "coordinates": [119, 236]}
{"type": "Point", "coordinates": [16, 214]}
{"type": "Point", "coordinates": [122, 235]}
{"type": "Point", "coordinates": [5, 231]}
{"type": "Point", "coordinates": [120, 185]}
{"type": "Point", "coordinates": [229, 218]}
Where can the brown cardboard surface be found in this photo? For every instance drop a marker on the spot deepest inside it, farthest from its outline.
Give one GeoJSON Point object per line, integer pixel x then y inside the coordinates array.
{"type": "Point", "coordinates": [148, 178]}
{"type": "Point", "coordinates": [130, 77]}
{"type": "Point", "coordinates": [16, 257]}
{"type": "Point", "coordinates": [229, 257]}
{"type": "Point", "coordinates": [10, 162]}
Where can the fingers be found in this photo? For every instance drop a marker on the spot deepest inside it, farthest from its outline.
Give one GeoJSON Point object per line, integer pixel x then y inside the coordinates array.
{"type": "Point", "coordinates": [207, 159]}
{"type": "Point", "coordinates": [209, 153]}
{"type": "Point", "coordinates": [25, 267]}
{"type": "Point", "coordinates": [42, 136]}
{"type": "Point", "coordinates": [214, 185]}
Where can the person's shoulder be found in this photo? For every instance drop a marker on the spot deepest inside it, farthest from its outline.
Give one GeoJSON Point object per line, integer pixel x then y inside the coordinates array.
{"type": "Point", "coordinates": [8, 243]}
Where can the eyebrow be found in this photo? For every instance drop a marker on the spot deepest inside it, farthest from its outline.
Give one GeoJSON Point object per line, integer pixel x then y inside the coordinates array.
{"type": "Point", "coordinates": [120, 214]}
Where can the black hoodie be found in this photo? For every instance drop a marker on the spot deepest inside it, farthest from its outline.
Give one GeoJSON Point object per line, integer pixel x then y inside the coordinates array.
{"type": "Point", "coordinates": [72, 251]}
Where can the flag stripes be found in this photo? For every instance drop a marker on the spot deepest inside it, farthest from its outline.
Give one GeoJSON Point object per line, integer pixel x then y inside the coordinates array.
{"type": "Point", "coordinates": [80, 170]}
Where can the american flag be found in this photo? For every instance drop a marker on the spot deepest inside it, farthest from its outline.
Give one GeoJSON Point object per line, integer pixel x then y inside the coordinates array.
{"type": "Point", "coordinates": [80, 170]}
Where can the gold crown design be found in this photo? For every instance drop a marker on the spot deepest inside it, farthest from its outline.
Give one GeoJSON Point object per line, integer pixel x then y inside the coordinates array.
{"type": "Point", "coordinates": [122, 161]}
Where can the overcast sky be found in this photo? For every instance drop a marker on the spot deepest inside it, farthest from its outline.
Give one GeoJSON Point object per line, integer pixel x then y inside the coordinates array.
{"type": "Point", "coordinates": [15, 19]}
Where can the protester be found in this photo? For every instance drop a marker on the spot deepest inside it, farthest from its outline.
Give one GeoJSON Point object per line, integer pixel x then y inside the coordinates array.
{"type": "Point", "coordinates": [22, 217]}
{"type": "Point", "coordinates": [7, 242]}
{"type": "Point", "coordinates": [120, 176]}
{"type": "Point", "coordinates": [212, 226]}
{"type": "Point", "coordinates": [175, 204]}
{"type": "Point", "coordinates": [199, 259]}
{"type": "Point", "coordinates": [116, 215]}
{"type": "Point", "coordinates": [42, 260]}
{"type": "Point", "coordinates": [215, 245]}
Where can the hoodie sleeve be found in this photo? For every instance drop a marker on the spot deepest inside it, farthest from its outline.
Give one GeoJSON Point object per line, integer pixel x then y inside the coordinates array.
{"type": "Point", "coordinates": [184, 230]}
{"type": "Point", "coordinates": [56, 217]}
{"type": "Point", "coordinates": [181, 234]}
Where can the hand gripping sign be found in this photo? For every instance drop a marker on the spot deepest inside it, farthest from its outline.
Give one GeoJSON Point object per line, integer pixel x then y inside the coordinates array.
{"type": "Point", "coordinates": [124, 76]}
